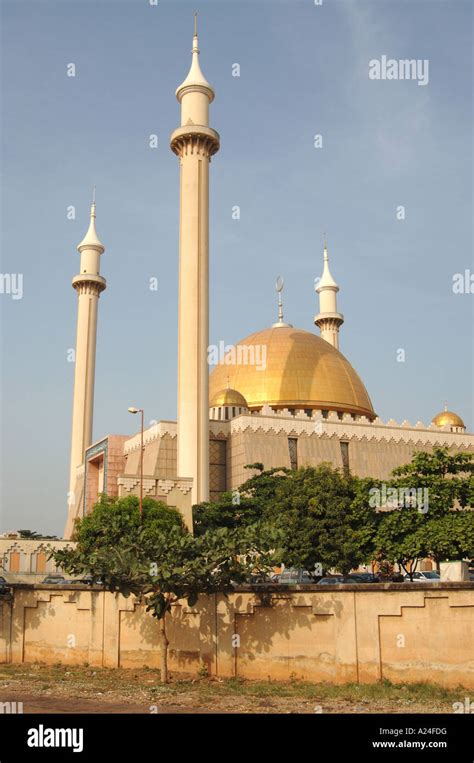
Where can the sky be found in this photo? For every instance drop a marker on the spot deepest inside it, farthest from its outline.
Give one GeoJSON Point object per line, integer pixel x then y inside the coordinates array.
{"type": "Point", "coordinates": [304, 71]}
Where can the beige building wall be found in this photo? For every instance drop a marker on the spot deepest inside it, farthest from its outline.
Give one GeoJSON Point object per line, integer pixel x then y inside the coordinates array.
{"type": "Point", "coordinates": [345, 635]}
{"type": "Point", "coordinates": [370, 449]}
{"type": "Point", "coordinates": [23, 560]}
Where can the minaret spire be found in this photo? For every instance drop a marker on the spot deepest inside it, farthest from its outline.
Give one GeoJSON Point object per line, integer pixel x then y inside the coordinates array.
{"type": "Point", "coordinates": [194, 143]}
{"type": "Point", "coordinates": [328, 319]}
{"type": "Point", "coordinates": [88, 284]}
{"type": "Point", "coordinates": [195, 93]}
{"type": "Point", "coordinates": [91, 239]}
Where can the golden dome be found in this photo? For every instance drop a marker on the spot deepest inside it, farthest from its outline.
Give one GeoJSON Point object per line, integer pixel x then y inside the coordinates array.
{"type": "Point", "coordinates": [228, 396]}
{"type": "Point", "coordinates": [286, 367]}
{"type": "Point", "coordinates": [448, 419]}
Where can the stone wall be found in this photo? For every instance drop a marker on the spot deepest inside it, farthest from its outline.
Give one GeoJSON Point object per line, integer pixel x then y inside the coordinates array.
{"type": "Point", "coordinates": [401, 632]}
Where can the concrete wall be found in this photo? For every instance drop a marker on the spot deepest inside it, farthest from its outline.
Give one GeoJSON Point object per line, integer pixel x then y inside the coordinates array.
{"type": "Point", "coordinates": [402, 632]}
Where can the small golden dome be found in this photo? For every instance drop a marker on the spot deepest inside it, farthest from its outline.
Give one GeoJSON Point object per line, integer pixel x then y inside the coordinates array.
{"type": "Point", "coordinates": [228, 396]}
{"type": "Point", "coordinates": [448, 419]}
{"type": "Point", "coordinates": [286, 367]}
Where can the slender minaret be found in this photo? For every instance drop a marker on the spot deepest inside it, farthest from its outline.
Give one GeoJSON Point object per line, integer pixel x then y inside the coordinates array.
{"type": "Point", "coordinates": [194, 143]}
{"type": "Point", "coordinates": [88, 284]}
{"type": "Point", "coordinates": [328, 319]}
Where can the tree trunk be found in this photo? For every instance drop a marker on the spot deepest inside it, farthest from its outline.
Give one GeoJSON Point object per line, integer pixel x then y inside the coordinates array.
{"type": "Point", "coordinates": [164, 650]}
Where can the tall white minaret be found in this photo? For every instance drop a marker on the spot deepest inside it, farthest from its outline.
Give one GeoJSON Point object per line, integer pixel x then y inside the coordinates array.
{"type": "Point", "coordinates": [88, 284]}
{"type": "Point", "coordinates": [194, 143]}
{"type": "Point", "coordinates": [328, 319]}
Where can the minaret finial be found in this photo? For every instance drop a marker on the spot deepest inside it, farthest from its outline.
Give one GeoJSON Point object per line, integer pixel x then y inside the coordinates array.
{"type": "Point", "coordinates": [195, 82]}
{"type": "Point", "coordinates": [91, 239]}
{"type": "Point", "coordinates": [195, 23]}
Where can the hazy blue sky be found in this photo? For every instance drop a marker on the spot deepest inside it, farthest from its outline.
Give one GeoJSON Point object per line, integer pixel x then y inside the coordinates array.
{"type": "Point", "coordinates": [304, 70]}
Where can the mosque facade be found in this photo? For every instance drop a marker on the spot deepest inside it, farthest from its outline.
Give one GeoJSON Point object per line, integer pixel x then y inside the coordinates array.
{"type": "Point", "coordinates": [283, 396]}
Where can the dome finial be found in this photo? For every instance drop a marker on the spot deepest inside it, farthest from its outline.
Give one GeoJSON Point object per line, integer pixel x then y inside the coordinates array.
{"type": "Point", "coordinates": [279, 283]}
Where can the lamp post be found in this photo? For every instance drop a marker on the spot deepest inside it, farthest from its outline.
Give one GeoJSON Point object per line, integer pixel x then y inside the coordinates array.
{"type": "Point", "coordinates": [140, 410]}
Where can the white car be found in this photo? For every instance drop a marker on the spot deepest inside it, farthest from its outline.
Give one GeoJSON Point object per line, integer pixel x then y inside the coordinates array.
{"type": "Point", "coordinates": [428, 576]}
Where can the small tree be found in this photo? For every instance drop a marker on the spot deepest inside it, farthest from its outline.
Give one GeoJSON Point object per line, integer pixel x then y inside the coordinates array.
{"type": "Point", "coordinates": [157, 560]}
{"type": "Point", "coordinates": [400, 538]}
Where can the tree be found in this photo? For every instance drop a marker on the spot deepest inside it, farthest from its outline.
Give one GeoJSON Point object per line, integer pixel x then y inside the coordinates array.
{"type": "Point", "coordinates": [320, 515]}
{"type": "Point", "coordinates": [244, 507]}
{"type": "Point", "coordinates": [157, 560]}
{"type": "Point", "coordinates": [450, 536]}
{"type": "Point", "coordinates": [446, 477]}
{"type": "Point", "coordinates": [432, 511]}
{"type": "Point", "coordinates": [324, 518]}
{"type": "Point", "coordinates": [33, 535]}
{"type": "Point", "coordinates": [115, 521]}
{"type": "Point", "coordinates": [230, 511]}
{"type": "Point", "coordinates": [400, 538]}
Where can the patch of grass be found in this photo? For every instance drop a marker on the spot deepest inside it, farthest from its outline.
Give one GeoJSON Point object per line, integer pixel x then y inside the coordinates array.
{"type": "Point", "coordinates": [77, 680]}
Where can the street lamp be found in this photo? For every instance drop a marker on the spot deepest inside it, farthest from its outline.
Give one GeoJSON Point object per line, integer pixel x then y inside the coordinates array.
{"type": "Point", "coordinates": [140, 410]}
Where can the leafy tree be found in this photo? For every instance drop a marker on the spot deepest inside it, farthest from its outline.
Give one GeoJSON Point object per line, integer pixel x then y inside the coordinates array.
{"type": "Point", "coordinates": [157, 560]}
{"type": "Point", "coordinates": [33, 535]}
{"type": "Point", "coordinates": [400, 538]}
{"type": "Point", "coordinates": [320, 515]}
{"type": "Point", "coordinates": [442, 525]}
{"type": "Point", "coordinates": [324, 518]}
{"type": "Point", "coordinates": [450, 536]}
{"type": "Point", "coordinates": [115, 521]}
{"type": "Point", "coordinates": [230, 511]}
{"type": "Point", "coordinates": [447, 478]}
{"type": "Point", "coordinates": [243, 507]}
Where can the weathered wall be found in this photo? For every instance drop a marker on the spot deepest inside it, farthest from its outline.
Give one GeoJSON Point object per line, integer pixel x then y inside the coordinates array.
{"type": "Point", "coordinates": [356, 633]}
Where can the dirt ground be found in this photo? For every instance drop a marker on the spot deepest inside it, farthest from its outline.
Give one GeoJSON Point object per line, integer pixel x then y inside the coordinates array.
{"type": "Point", "coordinates": [66, 689]}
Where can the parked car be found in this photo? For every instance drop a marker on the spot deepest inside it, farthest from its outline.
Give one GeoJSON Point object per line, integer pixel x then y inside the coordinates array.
{"type": "Point", "coordinates": [331, 580]}
{"type": "Point", "coordinates": [351, 579]}
{"type": "Point", "coordinates": [427, 576]}
{"type": "Point", "coordinates": [261, 579]}
{"type": "Point", "coordinates": [54, 579]}
{"type": "Point", "coordinates": [90, 580]}
{"type": "Point", "coordinates": [295, 576]}
{"type": "Point", "coordinates": [364, 577]}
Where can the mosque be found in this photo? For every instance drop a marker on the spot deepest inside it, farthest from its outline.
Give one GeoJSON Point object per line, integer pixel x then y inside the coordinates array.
{"type": "Point", "coordinates": [282, 396]}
